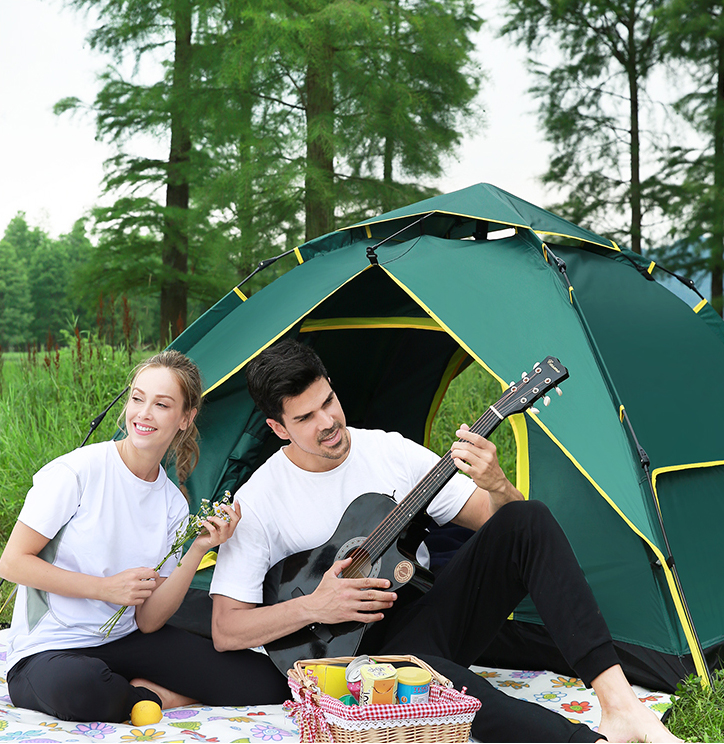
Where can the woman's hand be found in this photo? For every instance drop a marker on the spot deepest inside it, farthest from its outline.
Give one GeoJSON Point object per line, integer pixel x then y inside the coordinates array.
{"type": "Point", "coordinates": [217, 529]}
{"type": "Point", "coordinates": [130, 587]}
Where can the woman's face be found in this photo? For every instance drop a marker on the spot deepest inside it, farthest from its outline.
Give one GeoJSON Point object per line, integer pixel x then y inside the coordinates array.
{"type": "Point", "coordinates": [155, 410]}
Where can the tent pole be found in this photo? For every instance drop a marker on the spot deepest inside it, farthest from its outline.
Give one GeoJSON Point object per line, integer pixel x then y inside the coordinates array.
{"type": "Point", "coordinates": [644, 460]}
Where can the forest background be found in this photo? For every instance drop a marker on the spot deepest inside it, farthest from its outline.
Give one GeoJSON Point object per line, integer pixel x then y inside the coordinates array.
{"type": "Point", "coordinates": [240, 129]}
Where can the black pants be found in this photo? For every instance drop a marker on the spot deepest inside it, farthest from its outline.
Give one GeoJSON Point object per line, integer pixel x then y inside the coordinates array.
{"type": "Point", "coordinates": [520, 550]}
{"type": "Point", "coordinates": [92, 684]}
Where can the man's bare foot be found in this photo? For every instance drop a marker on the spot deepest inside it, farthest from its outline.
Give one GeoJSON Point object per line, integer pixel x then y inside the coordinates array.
{"type": "Point", "coordinates": [169, 699]}
{"type": "Point", "coordinates": [624, 718]}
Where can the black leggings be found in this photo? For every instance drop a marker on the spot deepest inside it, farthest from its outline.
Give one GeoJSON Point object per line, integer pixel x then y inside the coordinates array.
{"type": "Point", "coordinates": [520, 550]}
{"type": "Point", "coordinates": [92, 684]}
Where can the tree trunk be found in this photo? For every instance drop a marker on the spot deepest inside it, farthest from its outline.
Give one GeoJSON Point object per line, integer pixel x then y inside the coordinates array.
{"type": "Point", "coordinates": [717, 237]}
{"type": "Point", "coordinates": [319, 178]}
{"type": "Point", "coordinates": [635, 144]}
{"type": "Point", "coordinates": [174, 288]}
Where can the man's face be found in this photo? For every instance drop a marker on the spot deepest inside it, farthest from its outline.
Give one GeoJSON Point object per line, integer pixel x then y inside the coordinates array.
{"type": "Point", "coordinates": [315, 426]}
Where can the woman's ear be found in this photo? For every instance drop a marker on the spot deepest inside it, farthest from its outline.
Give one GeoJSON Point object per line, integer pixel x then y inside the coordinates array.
{"type": "Point", "coordinates": [188, 419]}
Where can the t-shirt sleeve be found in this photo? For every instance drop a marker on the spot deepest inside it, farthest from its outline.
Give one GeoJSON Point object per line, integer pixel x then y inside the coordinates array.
{"type": "Point", "coordinates": [52, 500]}
{"type": "Point", "coordinates": [178, 513]}
{"type": "Point", "coordinates": [243, 561]}
{"type": "Point", "coordinates": [451, 499]}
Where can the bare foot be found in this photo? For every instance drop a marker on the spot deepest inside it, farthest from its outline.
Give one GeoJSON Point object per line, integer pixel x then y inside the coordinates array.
{"type": "Point", "coordinates": [169, 699]}
{"type": "Point", "coordinates": [624, 718]}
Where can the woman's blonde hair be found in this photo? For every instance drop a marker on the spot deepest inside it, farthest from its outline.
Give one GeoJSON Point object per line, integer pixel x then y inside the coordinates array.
{"type": "Point", "coordinates": [184, 449]}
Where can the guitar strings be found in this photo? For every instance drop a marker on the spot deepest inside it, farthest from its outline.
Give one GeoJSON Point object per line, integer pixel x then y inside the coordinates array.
{"type": "Point", "coordinates": [391, 525]}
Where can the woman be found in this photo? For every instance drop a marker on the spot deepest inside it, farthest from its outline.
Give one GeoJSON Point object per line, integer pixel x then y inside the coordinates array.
{"type": "Point", "coordinates": [92, 527]}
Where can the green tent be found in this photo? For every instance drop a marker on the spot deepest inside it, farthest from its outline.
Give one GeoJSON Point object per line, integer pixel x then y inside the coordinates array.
{"type": "Point", "coordinates": [399, 304]}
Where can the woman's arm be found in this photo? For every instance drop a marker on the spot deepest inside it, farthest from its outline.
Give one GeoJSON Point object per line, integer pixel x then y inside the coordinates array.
{"type": "Point", "coordinates": [170, 592]}
{"type": "Point", "coordinates": [20, 564]}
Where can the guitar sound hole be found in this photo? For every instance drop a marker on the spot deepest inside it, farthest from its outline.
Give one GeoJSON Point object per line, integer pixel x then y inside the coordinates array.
{"type": "Point", "coordinates": [361, 566]}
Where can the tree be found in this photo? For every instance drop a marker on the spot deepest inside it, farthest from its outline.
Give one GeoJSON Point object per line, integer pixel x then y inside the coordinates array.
{"type": "Point", "coordinates": [695, 38]}
{"type": "Point", "coordinates": [15, 303]}
{"type": "Point", "coordinates": [592, 104]}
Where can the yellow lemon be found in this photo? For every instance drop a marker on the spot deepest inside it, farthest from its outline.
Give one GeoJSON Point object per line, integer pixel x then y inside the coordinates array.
{"type": "Point", "coordinates": [146, 712]}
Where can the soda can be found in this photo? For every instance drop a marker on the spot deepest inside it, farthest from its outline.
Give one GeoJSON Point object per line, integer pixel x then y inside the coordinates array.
{"type": "Point", "coordinates": [352, 674]}
{"type": "Point", "coordinates": [379, 685]}
{"type": "Point", "coordinates": [413, 685]}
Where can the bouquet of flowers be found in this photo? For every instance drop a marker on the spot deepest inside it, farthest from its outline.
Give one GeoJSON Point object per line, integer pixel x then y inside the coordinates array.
{"type": "Point", "coordinates": [187, 531]}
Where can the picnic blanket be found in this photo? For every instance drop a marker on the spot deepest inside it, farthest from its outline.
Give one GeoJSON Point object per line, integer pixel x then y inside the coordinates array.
{"type": "Point", "coordinates": [271, 723]}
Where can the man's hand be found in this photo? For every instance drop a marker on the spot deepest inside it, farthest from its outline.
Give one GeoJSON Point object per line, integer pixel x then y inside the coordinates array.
{"type": "Point", "coordinates": [338, 600]}
{"type": "Point", "coordinates": [477, 457]}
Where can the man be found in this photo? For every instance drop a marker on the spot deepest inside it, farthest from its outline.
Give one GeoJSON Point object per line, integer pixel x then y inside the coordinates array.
{"type": "Point", "coordinates": [294, 501]}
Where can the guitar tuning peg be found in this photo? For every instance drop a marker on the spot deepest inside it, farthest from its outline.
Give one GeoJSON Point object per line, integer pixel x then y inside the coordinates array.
{"type": "Point", "coordinates": [533, 409]}
{"type": "Point", "coordinates": [546, 400]}
{"type": "Point", "coordinates": [512, 383]}
{"type": "Point", "coordinates": [525, 374]}
{"type": "Point", "coordinates": [558, 390]}
{"type": "Point", "coordinates": [536, 364]}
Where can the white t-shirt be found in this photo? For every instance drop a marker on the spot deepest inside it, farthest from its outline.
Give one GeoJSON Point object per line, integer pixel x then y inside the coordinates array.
{"type": "Point", "coordinates": [286, 510]}
{"type": "Point", "coordinates": [101, 519]}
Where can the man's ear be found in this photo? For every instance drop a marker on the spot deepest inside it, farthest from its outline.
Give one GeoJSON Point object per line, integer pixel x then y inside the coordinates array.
{"type": "Point", "coordinates": [278, 428]}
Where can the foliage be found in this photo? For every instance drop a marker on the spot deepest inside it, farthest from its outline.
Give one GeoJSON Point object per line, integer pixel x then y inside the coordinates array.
{"type": "Point", "coordinates": [467, 398]}
{"type": "Point", "coordinates": [593, 103]}
{"type": "Point", "coordinates": [697, 713]}
{"type": "Point", "coordinates": [695, 42]}
{"type": "Point", "coordinates": [15, 304]}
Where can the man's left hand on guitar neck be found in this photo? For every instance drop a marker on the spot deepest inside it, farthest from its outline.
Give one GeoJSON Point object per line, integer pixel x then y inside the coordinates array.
{"type": "Point", "coordinates": [477, 458]}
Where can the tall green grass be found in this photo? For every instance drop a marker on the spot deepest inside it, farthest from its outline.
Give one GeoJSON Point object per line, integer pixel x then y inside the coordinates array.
{"type": "Point", "coordinates": [469, 394]}
{"type": "Point", "coordinates": [47, 401]}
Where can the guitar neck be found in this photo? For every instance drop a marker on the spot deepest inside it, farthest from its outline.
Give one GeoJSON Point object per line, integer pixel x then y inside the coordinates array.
{"type": "Point", "coordinates": [422, 494]}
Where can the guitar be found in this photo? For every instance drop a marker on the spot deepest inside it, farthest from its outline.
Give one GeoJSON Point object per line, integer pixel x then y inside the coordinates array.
{"type": "Point", "coordinates": [383, 536]}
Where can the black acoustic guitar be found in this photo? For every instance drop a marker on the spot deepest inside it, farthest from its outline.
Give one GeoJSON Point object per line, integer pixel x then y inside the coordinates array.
{"type": "Point", "coordinates": [383, 537]}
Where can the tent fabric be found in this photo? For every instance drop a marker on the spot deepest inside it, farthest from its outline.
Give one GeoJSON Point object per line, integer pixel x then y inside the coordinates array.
{"type": "Point", "coordinates": [397, 306]}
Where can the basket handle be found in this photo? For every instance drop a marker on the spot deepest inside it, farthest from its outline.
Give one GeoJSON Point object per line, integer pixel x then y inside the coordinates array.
{"type": "Point", "coordinates": [298, 671]}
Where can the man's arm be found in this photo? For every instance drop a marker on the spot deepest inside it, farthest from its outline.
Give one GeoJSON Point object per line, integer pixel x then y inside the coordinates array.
{"type": "Point", "coordinates": [238, 625]}
{"type": "Point", "coordinates": [476, 456]}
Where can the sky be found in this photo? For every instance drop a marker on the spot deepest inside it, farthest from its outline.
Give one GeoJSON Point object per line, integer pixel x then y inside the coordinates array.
{"type": "Point", "coordinates": [51, 166]}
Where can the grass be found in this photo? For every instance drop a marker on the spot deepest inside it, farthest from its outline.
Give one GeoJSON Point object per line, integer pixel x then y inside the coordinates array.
{"type": "Point", "coordinates": [47, 401]}
{"type": "Point", "coordinates": [698, 713]}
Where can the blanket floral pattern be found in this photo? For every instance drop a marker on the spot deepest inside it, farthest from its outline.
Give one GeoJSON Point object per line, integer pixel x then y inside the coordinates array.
{"type": "Point", "coordinates": [270, 723]}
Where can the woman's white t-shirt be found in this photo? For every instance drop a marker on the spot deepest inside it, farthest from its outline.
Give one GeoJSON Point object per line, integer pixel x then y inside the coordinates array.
{"type": "Point", "coordinates": [286, 510]}
{"type": "Point", "coordinates": [101, 519]}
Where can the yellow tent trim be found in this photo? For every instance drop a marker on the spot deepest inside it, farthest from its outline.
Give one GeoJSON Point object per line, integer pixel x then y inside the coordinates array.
{"type": "Point", "coordinates": [615, 245]}
{"type": "Point", "coordinates": [451, 371]}
{"type": "Point", "coordinates": [620, 413]}
{"type": "Point", "coordinates": [700, 306]}
{"type": "Point", "coordinates": [347, 324]}
{"type": "Point", "coordinates": [208, 560]}
{"type": "Point", "coordinates": [280, 334]}
{"type": "Point", "coordinates": [570, 294]}
{"type": "Point", "coordinates": [698, 659]}
{"type": "Point", "coordinates": [651, 267]}
{"type": "Point", "coordinates": [522, 461]}
{"type": "Point", "coordinates": [298, 254]}
{"type": "Point", "coordinates": [688, 466]}
{"type": "Point", "coordinates": [241, 294]}
{"type": "Point", "coordinates": [611, 247]}
{"type": "Point", "coordinates": [367, 225]}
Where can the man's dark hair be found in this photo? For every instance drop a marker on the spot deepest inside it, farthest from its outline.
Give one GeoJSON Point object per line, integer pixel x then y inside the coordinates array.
{"type": "Point", "coordinates": [284, 370]}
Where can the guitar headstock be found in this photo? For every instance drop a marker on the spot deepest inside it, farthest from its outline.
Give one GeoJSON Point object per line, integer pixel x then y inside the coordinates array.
{"type": "Point", "coordinates": [521, 395]}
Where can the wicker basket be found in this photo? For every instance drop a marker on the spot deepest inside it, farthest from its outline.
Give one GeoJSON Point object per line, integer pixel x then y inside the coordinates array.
{"type": "Point", "coordinates": [447, 717]}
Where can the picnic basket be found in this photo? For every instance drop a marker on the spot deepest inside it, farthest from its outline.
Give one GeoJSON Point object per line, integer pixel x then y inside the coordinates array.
{"type": "Point", "coordinates": [447, 717]}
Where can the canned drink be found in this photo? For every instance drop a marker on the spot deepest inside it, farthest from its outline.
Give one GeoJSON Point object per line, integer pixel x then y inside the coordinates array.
{"type": "Point", "coordinates": [352, 674]}
{"type": "Point", "coordinates": [413, 685]}
{"type": "Point", "coordinates": [379, 684]}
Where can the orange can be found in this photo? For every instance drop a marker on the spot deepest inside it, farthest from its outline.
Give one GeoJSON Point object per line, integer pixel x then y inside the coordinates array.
{"type": "Point", "coordinates": [379, 685]}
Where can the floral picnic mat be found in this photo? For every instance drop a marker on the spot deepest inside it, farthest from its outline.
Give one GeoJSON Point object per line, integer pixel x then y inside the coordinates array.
{"type": "Point", "coordinates": [270, 723]}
